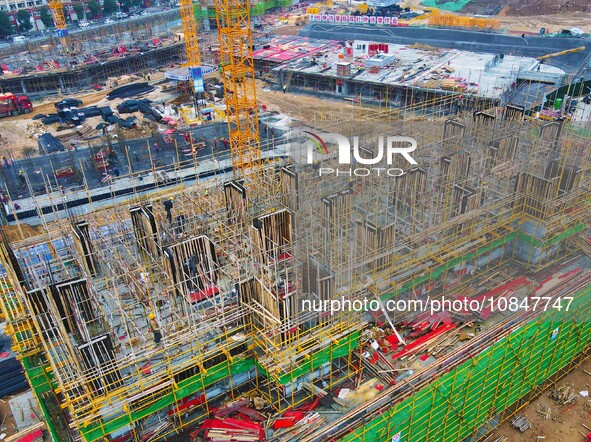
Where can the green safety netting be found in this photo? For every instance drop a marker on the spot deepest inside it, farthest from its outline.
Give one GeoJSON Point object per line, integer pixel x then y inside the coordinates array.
{"type": "Point", "coordinates": [342, 348]}
{"type": "Point", "coordinates": [183, 389]}
{"type": "Point", "coordinates": [458, 403]}
{"type": "Point", "coordinates": [258, 9]}
{"type": "Point", "coordinates": [446, 6]}
{"type": "Point", "coordinates": [221, 371]}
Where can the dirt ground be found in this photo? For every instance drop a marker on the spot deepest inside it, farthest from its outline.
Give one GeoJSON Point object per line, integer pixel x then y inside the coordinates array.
{"type": "Point", "coordinates": [20, 232]}
{"type": "Point", "coordinates": [565, 423]}
{"type": "Point", "coordinates": [543, 7]}
{"type": "Point", "coordinates": [533, 23]}
{"type": "Point", "coordinates": [300, 106]}
{"type": "Point", "coordinates": [518, 7]}
{"type": "Point", "coordinates": [511, 22]}
{"type": "Point", "coordinates": [287, 30]}
{"type": "Point", "coordinates": [552, 23]}
{"type": "Point", "coordinates": [15, 135]}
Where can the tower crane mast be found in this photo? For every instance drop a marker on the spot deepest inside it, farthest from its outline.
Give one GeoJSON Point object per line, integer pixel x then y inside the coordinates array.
{"type": "Point", "coordinates": [235, 40]}
{"type": "Point", "coordinates": [59, 20]}
{"type": "Point", "coordinates": [191, 43]}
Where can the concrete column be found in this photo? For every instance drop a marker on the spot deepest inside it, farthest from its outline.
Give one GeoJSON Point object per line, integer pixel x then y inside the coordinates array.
{"type": "Point", "coordinates": [206, 25]}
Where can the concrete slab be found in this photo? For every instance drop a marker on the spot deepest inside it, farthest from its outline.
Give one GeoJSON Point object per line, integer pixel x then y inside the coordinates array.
{"type": "Point", "coordinates": [582, 115]}
{"type": "Point", "coordinates": [25, 410]}
{"type": "Point", "coordinates": [485, 74]}
{"type": "Point", "coordinates": [468, 40]}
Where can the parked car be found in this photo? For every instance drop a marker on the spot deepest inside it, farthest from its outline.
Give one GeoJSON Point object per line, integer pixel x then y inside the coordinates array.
{"type": "Point", "coordinates": [83, 24]}
{"type": "Point", "coordinates": [109, 20]}
{"type": "Point", "coordinates": [68, 102]}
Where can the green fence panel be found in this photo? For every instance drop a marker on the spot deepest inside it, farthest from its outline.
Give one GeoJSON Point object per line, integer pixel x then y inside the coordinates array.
{"type": "Point", "coordinates": [453, 6]}
{"type": "Point", "coordinates": [459, 402]}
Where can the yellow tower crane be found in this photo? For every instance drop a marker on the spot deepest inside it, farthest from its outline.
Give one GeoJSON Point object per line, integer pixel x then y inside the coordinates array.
{"type": "Point", "coordinates": [235, 40]}
{"type": "Point", "coordinates": [59, 20]}
{"type": "Point", "coordinates": [191, 44]}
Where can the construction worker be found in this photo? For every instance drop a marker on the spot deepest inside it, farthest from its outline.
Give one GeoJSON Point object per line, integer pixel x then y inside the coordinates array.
{"type": "Point", "coordinates": [180, 222]}
{"type": "Point", "coordinates": [284, 88]}
{"type": "Point", "coordinates": [459, 104]}
{"type": "Point", "coordinates": [168, 208]}
{"type": "Point", "coordinates": [154, 328]}
{"type": "Point", "coordinates": [21, 178]}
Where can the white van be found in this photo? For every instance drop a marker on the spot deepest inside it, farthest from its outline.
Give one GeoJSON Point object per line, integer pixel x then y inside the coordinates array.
{"type": "Point", "coordinates": [19, 39]}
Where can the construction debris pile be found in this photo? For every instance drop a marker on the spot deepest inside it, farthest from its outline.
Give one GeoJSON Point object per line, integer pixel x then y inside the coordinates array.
{"type": "Point", "coordinates": [521, 423]}
{"type": "Point", "coordinates": [563, 395]}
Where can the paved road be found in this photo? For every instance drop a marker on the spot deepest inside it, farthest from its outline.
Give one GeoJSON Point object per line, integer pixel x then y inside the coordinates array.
{"type": "Point", "coordinates": [530, 46]}
{"type": "Point", "coordinates": [48, 37]}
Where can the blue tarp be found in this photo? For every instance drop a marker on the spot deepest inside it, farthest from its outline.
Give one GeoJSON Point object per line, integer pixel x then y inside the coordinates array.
{"type": "Point", "coordinates": [12, 375]}
{"type": "Point", "coordinates": [48, 143]}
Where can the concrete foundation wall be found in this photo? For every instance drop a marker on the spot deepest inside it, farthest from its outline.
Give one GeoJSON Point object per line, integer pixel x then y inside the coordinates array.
{"type": "Point", "coordinates": [75, 80]}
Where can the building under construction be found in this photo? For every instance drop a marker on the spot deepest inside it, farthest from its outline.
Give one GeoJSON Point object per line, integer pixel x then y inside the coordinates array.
{"type": "Point", "coordinates": [294, 301]}
{"type": "Point", "coordinates": [494, 204]}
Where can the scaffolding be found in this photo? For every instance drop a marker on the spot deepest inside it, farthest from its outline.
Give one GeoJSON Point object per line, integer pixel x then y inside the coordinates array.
{"type": "Point", "coordinates": [88, 71]}
{"type": "Point", "coordinates": [223, 269]}
{"type": "Point", "coordinates": [526, 358]}
{"type": "Point", "coordinates": [91, 56]}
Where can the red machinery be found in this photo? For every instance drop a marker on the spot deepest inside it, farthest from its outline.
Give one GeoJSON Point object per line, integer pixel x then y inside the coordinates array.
{"type": "Point", "coordinates": [11, 104]}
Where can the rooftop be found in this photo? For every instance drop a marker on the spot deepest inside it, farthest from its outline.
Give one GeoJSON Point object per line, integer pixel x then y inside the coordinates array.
{"type": "Point", "coordinates": [488, 75]}
{"type": "Point", "coordinates": [290, 47]}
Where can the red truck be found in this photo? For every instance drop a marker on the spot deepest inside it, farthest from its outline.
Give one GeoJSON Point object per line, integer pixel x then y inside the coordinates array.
{"type": "Point", "coordinates": [11, 104]}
